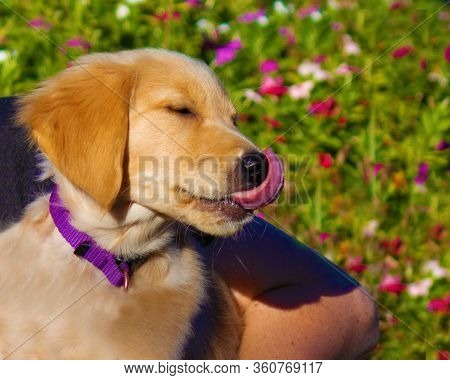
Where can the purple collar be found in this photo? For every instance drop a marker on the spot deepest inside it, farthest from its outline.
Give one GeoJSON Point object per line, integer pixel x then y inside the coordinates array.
{"type": "Point", "coordinates": [116, 271]}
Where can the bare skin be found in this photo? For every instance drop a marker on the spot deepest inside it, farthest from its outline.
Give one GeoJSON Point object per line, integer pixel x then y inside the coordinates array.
{"type": "Point", "coordinates": [296, 304]}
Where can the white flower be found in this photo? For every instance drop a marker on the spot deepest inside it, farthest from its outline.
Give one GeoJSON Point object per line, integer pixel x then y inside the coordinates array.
{"type": "Point", "coordinates": [308, 68]}
{"type": "Point", "coordinates": [263, 20]}
{"type": "Point", "coordinates": [122, 11]}
{"type": "Point", "coordinates": [420, 288]}
{"type": "Point", "coordinates": [280, 8]}
{"type": "Point", "coordinates": [204, 24]}
{"type": "Point", "coordinates": [301, 90]}
{"type": "Point", "coordinates": [253, 96]}
{"type": "Point", "coordinates": [223, 28]}
{"type": "Point", "coordinates": [4, 55]}
{"type": "Point", "coordinates": [435, 269]}
{"type": "Point", "coordinates": [437, 77]}
{"type": "Point", "coordinates": [370, 228]}
{"type": "Point", "coordinates": [350, 46]}
{"type": "Point", "coordinates": [316, 16]}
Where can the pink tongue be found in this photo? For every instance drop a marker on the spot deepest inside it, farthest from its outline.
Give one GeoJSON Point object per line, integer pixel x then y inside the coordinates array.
{"type": "Point", "coordinates": [268, 191]}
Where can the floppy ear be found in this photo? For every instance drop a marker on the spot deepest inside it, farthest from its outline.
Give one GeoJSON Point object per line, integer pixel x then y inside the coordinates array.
{"type": "Point", "coordinates": [79, 119]}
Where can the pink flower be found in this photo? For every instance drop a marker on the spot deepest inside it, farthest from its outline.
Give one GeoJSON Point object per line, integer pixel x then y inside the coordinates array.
{"type": "Point", "coordinates": [308, 11]}
{"type": "Point", "coordinates": [422, 174]}
{"type": "Point", "coordinates": [79, 42]}
{"type": "Point", "coordinates": [273, 86]}
{"type": "Point", "coordinates": [337, 26]}
{"type": "Point", "coordinates": [343, 69]}
{"type": "Point", "coordinates": [392, 284]}
{"type": "Point", "coordinates": [321, 58]}
{"type": "Point", "coordinates": [370, 228]}
{"type": "Point", "coordinates": [301, 90]}
{"type": "Point", "coordinates": [447, 53]}
{"type": "Point", "coordinates": [165, 16]}
{"type": "Point", "coordinates": [193, 3]}
{"type": "Point", "coordinates": [435, 269]}
{"type": "Point", "coordinates": [323, 237]}
{"type": "Point", "coordinates": [420, 288]}
{"type": "Point", "coordinates": [40, 23]}
{"type": "Point", "coordinates": [350, 47]}
{"type": "Point", "coordinates": [355, 264]}
{"type": "Point", "coordinates": [227, 52]}
{"type": "Point", "coordinates": [268, 66]}
{"type": "Point", "coordinates": [439, 305]}
{"type": "Point", "coordinates": [402, 51]}
{"type": "Point", "coordinates": [288, 34]}
{"type": "Point", "coordinates": [253, 96]}
{"type": "Point", "coordinates": [260, 215]}
{"type": "Point", "coordinates": [308, 68]}
{"type": "Point", "coordinates": [325, 107]}
{"type": "Point", "coordinates": [252, 16]}
{"type": "Point", "coordinates": [377, 167]}
{"type": "Point", "coordinates": [325, 160]}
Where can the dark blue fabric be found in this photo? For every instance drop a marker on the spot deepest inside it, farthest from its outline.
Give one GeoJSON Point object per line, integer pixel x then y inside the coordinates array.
{"type": "Point", "coordinates": [18, 167]}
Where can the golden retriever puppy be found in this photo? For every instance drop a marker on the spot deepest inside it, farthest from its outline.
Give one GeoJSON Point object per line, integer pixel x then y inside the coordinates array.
{"type": "Point", "coordinates": [141, 146]}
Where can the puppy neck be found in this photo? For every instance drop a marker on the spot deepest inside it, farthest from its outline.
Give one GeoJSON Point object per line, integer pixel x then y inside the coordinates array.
{"type": "Point", "coordinates": [128, 230]}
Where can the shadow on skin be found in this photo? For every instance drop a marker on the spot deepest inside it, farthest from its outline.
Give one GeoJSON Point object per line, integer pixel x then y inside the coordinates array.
{"type": "Point", "coordinates": [264, 258]}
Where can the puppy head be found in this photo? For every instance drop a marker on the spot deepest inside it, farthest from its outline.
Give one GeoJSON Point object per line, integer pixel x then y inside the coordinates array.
{"type": "Point", "coordinates": [155, 127]}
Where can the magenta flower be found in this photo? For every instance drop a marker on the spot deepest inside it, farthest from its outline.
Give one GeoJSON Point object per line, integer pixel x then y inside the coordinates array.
{"type": "Point", "coordinates": [447, 53]}
{"type": "Point", "coordinates": [392, 284]}
{"type": "Point", "coordinates": [273, 86]}
{"type": "Point", "coordinates": [337, 26]}
{"type": "Point", "coordinates": [422, 174]}
{"type": "Point", "coordinates": [443, 355]}
{"type": "Point", "coordinates": [397, 5]}
{"type": "Point", "coordinates": [227, 52]}
{"type": "Point", "coordinates": [79, 42]}
{"type": "Point", "coordinates": [402, 51]}
{"type": "Point", "coordinates": [393, 247]}
{"type": "Point", "coordinates": [325, 160]}
{"type": "Point", "coordinates": [252, 16]}
{"type": "Point", "coordinates": [423, 63]}
{"type": "Point", "coordinates": [40, 23]}
{"type": "Point", "coordinates": [439, 305]}
{"type": "Point", "coordinates": [442, 145]}
{"type": "Point", "coordinates": [321, 58]}
{"type": "Point", "coordinates": [377, 167]}
{"type": "Point", "coordinates": [288, 34]}
{"type": "Point", "coordinates": [193, 3]}
{"type": "Point", "coordinates": [323, 237]}
{"type": "Point", "coordinates": [356, 265]}
{"type": "Point", "coordinates": [325, 108]}
{"type": "Point", "coordinates": [268, 66]}
{"type": "Point", "coordinates": [271, 122]}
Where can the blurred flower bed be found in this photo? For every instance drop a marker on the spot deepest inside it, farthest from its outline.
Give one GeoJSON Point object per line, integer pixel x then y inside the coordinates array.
{"type": "Point", "coordinates": [353, 94]}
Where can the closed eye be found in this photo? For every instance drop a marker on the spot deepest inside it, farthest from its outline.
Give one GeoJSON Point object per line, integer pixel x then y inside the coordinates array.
{"type": "Point", "coordinates": [185, 111]}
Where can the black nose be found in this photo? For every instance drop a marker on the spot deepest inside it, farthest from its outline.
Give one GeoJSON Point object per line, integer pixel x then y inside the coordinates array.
{"type": "Point", "coordinates": [254, 168]}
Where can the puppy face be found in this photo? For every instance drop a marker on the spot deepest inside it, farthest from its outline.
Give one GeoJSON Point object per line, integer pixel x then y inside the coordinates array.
{"type": "Point", "coordinates": [147, 126]}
